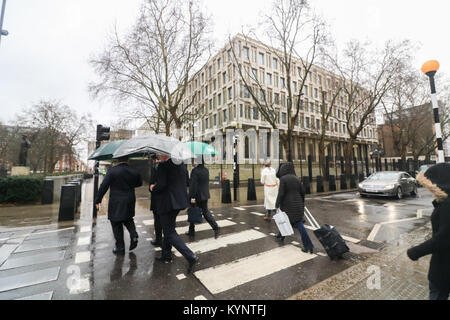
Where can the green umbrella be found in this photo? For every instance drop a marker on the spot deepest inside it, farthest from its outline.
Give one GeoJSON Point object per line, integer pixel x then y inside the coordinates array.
{"type": "Point", "coordinates": [201, 148]}
{"type": "Point", "coordinates": [106, 151]}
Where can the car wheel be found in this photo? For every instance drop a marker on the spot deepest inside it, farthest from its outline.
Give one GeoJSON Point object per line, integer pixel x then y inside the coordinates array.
{"type": "Point", "coordinates": [414, 192]}
{"type": "Point", "coordinates": [399, 195]}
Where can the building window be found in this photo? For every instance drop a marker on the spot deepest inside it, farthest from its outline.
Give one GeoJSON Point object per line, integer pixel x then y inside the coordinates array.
{"type": "Point", "coordinates": [254, 74]}
{"type": "Point", "coordinates": [311, 107]}
{"type": "Point", "coordinates": [219, 99]}
{"type": "Point", "coordinates": [316, 93]}
{"type": "Point", "coordinates": [261, 58]}
{"type": "Point", "coordinates": [247, 147]}
{"type": "Point", "coordinates": [241, 111]}
{"type": "Point", "coordinates": [218, 63]}
{"type": "Point", "coordinates": [307, 123]}
{"type": "Point", "coordinates": [255, 113]}
{"type": "Point", "coordinates": [301, 151]}
{"type": "Point", "coordinates": [275, 63]}
{"type": "Point", "coordinates": [269, 79]}
{"type": "Point", "coordinates": [210, 104]}
{"type": "Point", "coordinates": [215, 120]}
{"type": "Point", "coordinates": [224, 115]}
{"type": "Point", "coordinates": [246, 93]}
{"type": "Point", "coordinates": [277, 98]}
{"type": "Point", "coordinates": [299, 72]}
{"type": "Point", "coordinates": [224, 77]}
{"type": "Point", "coordinates": [283, 118]}
{"type": "Point", "coordinates": [246, 54]}
{"type": "Point", "coordinates": [283, 84]}
{"type": "Point", "coordinates": [230, 93]}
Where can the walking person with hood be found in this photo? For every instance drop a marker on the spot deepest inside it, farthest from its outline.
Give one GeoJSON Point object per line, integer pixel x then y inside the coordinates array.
{"type": "Point", "coordinates": [171, 188]}
{"type": "Point", "coordinates": [121, 180]}
{"type": "Point", "coordinates": [157, 242]}
{"type": "Point", "coordinates": [199, 195]}
{"type": "Point", "coordinates": [291, 200]}
{"type": "Point", "coordinates": [437, 180]}
{"type": "Point", "coordinates": [271, 182]}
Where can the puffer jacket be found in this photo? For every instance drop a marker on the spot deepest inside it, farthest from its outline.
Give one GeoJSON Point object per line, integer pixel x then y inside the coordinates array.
{"type": "Point", "coordinates": [291, 195]}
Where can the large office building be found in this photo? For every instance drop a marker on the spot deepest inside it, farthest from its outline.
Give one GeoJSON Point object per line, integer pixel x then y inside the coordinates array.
{"type": "Point", "coordinates": [221, 101]}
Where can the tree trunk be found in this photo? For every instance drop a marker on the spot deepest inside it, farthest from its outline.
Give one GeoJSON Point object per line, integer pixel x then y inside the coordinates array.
{"type": "Point", "coordinates": [322, 163]}
{"type": "Point", "coordinates": [348, 154]}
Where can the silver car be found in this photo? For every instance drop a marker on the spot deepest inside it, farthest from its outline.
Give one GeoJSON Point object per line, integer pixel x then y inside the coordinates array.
{"type": "Point", "coordinates": [388, 184]}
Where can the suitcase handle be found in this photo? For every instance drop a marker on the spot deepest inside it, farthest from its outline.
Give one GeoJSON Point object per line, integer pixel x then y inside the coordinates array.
{"type": "Point", "coordinates": [311, 220]}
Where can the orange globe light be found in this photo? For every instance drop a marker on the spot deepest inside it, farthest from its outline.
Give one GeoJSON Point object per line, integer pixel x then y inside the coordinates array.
{"type": "Point", "coordinates": [429, 66]}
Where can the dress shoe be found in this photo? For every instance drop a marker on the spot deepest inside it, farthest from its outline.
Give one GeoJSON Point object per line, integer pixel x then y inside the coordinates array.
{"type": "Point", "coordinates": [216, 233]}
{"type": "Point", "coordinates": [133, 243]}
{"type": "Point", "coordinates": [164, 259]}
{"type": "Point", "coordinates": [118, 251]}
{"type": "Point", "coordinates": [190, 234]}
{"type": "Point", "coordinates": [192, 264]}
{"type": "Point", "coordinates": [280, 237]}
{"type": "Point", "coordinates": [156, 243]}
{"type": "Point", "coordinates": [308, 250]}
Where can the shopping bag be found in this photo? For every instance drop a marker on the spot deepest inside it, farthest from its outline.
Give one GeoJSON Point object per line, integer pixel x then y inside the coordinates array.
{"type": "Point", "coordinates": [283, 223]}
{"type": "Point", "coordinates": [195, 215]}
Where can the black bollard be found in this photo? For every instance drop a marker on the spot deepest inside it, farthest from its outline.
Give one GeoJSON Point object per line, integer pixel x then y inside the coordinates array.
{"type": "Point", "coordinates": [343, 182]}
{"type": "Point", "coordinates": [251, 189]}
{"type": "Point", "coordinates": [352, 181]}
{"type": "Point", "coordinates": [226, 191]}
{"type": "Point", "coordinates": [332, 183]}
{"type": "Point", "coordinates": [319, 180]}
{"type": "Point", "coordinates": [361, 177]}
{"type": "Point", "coordinates": [386, 164]}
{"type": "Point", "coordinates": [306, 185]}
{"type": "Point", "coordinates": [310, 168]}
{"type": "Point", "coordinates": [77, 194]}
{"type": "Point", "coordinates": [67, 204]}
{"type": "Point", "coordinates": [47, 192]}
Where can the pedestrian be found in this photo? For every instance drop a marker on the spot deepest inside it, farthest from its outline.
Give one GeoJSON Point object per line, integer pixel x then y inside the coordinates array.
{"type": "Point", "coordinates": [121, 180]}
{"type": "Point", "coordinates": [271, 182]}
{"type": "Point", "coordinates": [199, 195]}
{"type": "Point", "coordinates": [171, 187]}
{"type": "Point", "coordinates": [157, 242]}
{"type": "Point", "coordinates": [437, 180]}
{"type": "Point", "coordinates": [291, 200]}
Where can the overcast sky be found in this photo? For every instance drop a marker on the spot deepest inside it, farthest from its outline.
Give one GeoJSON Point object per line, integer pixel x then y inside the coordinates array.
{"type": "Point", "coordinates": [50, 41]}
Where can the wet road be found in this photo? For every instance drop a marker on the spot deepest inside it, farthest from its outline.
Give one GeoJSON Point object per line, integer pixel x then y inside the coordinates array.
{"type": "Point", "coordinates": [74, 261]}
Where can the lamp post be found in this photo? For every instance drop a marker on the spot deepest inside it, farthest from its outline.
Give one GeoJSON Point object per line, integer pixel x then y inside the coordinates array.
{"type": "Point", "coordinates": [2, 15]}
{"type": "Point", "coordinates": [430, 68]}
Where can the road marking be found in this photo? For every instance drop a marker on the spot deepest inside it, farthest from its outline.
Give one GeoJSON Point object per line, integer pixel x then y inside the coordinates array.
{"type": "Point", "coordinates": [242, 222]}
{"type": "Point", "coordinates": [230, 275]}
{"type": "Point", "coordinates": [83, 285]}
{"type": "Point", "coordinates": [33, 260]}
{"type": "Point", "coordinates": [51, 231]}
{"type": "Point", "coordinates": [29, 279]}
{"type": "Point", "coordinates": [152, 222]}
{"type": "Point", "coordinates": [321, 254]}
{"type": "Point", "coordinates": [181, 276]}
{"type": "Point", "coordinates": [86, 229]}
{"type": "Point", "coordinates": [83, 241]}
{"type": "Point", "coordinates": [376, 228]}
{"type": "Point", "coordinates": [240, 209]}
{"type": "Point", "coordinates": [295, 243]}
{"type": "Point", "coordinates": [256, 205]}
{"type": "Point", "coordinates": [40, 296]}
{"type": "Point", "coordinates": [258, 214]}
{"type": "Point", "coordinates": [200, 298]}
{"type": "Point", "coordinates": [144, 232]}
{"type": "Point", "coordinates": [205, 226]}
{"type": "Point", "coordinates": [223, 241]}
{"type": "Point", "coordinates": [257, 228]}
{"type": "Point", "coordinates": [82, 257]}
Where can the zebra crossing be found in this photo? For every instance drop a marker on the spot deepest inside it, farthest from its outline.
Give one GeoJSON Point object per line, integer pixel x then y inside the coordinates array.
{"type": "Point", "coordinates": [245, 255]}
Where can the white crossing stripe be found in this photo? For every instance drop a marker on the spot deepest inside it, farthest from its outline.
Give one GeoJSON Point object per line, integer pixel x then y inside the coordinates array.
{"type": "Point", "coordinates": [181, 276]}
{"type": "Point", "coordinates": [205, 226]}
{"type": "Point", "coordinates": [82, 257]}
{"type": "Point", "coordinates": [51, 231]}
{"type": "Point", "coordinates": [85, 229]}
{"type": "Point", "coordinates": [258, 214]}
{"type": "Point", "coordinates": [227, 276]}
{"type": "Point", "coordinates": [241, 209]}
{"type": "Point", "coordinates": [221, 242]}
{"type": "Point", "coordinates": [200, 298]}
{"type": "Point", "coordinates": [151, 221]}
{"type": "Point", "coordinates": [82, 241]}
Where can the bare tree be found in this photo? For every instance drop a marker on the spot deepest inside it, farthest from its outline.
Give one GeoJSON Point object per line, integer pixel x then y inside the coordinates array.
{"type": "Point", "coordinates": [295, 34]}
{"type": "Point", "coordinates": [151, 66]}
{"type": "Point", "coordinates": [368, 77]}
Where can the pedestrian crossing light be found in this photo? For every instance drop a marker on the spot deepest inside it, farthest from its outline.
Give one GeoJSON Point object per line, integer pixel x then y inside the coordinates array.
{"type": "Point", "coordinates": [102, 133]}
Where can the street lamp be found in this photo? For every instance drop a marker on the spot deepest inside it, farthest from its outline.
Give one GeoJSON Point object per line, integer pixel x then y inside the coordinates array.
{"type": "Point", "coordinates": [2, 15]}
{"type": "Point", "coordinates": [430, 68]}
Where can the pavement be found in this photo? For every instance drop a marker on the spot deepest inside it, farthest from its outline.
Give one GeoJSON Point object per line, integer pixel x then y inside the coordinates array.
{"type": "Point", "coordinates": [43, 259]}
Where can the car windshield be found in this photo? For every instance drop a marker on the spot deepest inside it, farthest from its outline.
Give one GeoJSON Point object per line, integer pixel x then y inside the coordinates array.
{"type": "Point", "coordinates": [424, 168]}
{"type": "Point", "coordinates": [384, 176]}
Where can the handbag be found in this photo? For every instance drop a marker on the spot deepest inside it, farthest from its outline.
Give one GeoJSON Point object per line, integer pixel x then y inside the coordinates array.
{"type": "Point", "coordinates": [195, 215]}
{"type": "Point", "coordinates": [283, 223]}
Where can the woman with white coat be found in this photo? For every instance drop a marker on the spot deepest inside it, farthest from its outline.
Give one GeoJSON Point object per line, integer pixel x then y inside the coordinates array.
{"type": "Point", "coordinates": [271, 183]}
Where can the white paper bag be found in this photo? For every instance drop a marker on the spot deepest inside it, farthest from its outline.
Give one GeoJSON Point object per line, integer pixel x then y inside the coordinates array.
{"type": "Point", "coordinates": [283, 224]}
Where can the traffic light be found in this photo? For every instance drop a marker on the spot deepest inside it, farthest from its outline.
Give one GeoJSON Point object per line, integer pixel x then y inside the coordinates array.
{"type": "Point", "coordinates": [102, 133]}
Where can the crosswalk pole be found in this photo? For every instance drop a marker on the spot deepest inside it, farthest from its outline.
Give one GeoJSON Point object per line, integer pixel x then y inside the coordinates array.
{"type": "Point", "coordinates": [430, 68]}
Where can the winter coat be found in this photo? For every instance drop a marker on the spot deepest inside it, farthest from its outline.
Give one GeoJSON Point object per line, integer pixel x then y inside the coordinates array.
{"type": "Point", "coordinates": [437, 182]}
{"type": "Point", "coordinates": [199, 183]}
{"type": "Point", "coordinates": [121, 180]}
{"type": "Point", "coordinates": [271, 184]}
{"type": "Point", "coordinates": [291, 195]}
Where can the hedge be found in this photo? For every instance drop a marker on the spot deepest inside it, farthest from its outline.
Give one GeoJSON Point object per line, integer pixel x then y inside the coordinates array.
{"type": "Point", "coordinates": [21, 189]}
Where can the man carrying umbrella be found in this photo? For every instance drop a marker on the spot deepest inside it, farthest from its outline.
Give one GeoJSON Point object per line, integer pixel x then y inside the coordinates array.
{"type": "Point", "coordinates": [171, 189]}
{"type": "Point", "coordinates": [157, 242]}
{"type": "Point", "coordinates": [121, 179]}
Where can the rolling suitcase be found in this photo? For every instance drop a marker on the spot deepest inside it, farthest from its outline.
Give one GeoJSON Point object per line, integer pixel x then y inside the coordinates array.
{"type": "Point", "coordinates": [329, 237]}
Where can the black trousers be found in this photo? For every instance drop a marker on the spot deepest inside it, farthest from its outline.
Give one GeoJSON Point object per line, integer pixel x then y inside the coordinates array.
{"type": "Point", "coordinates": [117, 227]}
{"type": "Point", "coordinates": [206, 214]}
{"type": "Point", "coordinates": [171, 237]}
{"type": "Point", "coordinates": [157, 226]}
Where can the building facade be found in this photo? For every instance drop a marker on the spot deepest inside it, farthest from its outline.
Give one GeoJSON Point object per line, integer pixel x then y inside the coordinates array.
{"type": "Point", "coordinates": [221, 101]}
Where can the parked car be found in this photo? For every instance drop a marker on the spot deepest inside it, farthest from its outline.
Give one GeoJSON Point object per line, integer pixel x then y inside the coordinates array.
{"type": "Point", "coordinates": [388, 184]}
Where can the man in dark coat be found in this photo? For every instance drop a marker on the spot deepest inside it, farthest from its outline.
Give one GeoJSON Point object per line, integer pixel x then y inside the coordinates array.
{"type": "Point", "coordinates": [171, 187]}
{"type": "Point", "coordinates": [157, 242]}
{"type": "Point", "coordinates": [291, 200]}
{"type": "Point", "coordinates": [437, 180]}
{"type": "Point", "coordinates": [199, 195]}
{"type": "Point", "coordinates": [121, 179]}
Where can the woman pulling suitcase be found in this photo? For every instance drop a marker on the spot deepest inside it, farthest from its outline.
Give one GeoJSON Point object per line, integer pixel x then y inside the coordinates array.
{"type": "Point", "coordinates": [291, 200]}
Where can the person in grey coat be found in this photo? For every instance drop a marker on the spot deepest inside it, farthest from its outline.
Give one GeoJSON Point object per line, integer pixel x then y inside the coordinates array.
{"type": "Point", "coordinates": [291, 200]}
